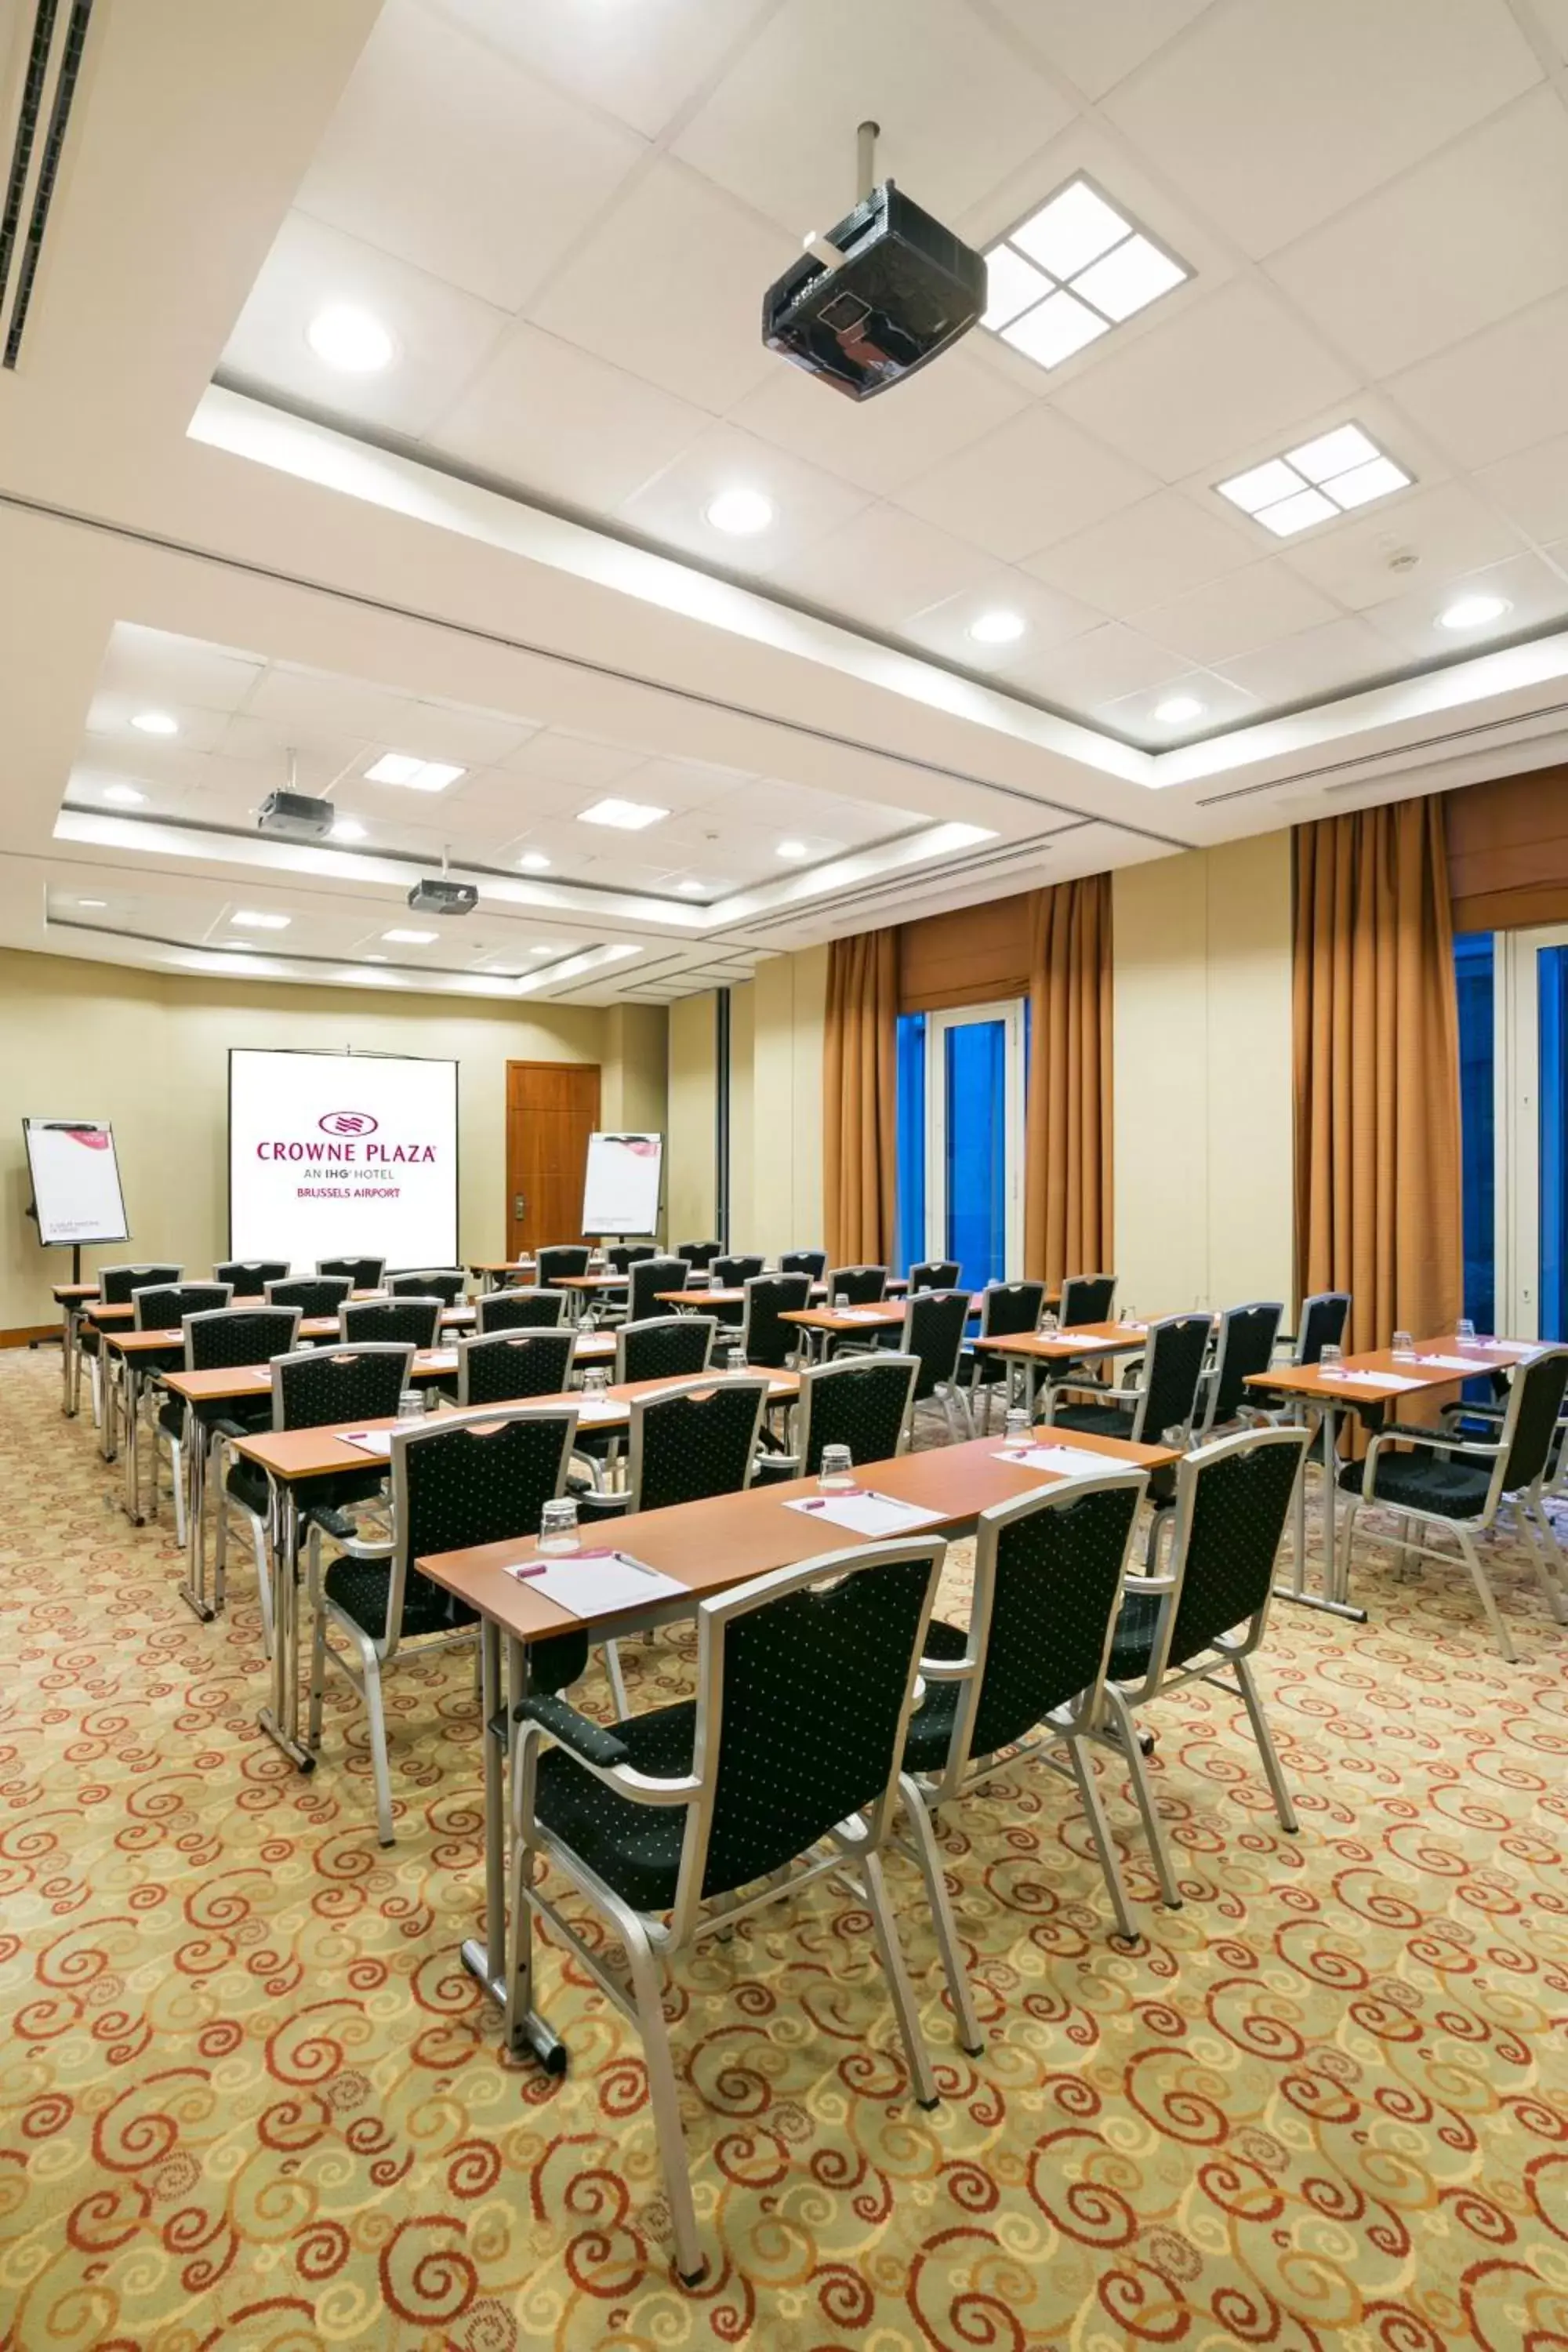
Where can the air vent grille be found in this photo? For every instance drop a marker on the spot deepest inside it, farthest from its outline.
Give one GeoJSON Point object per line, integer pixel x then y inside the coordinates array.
{"type": "Point", "coordinates": [49, 82]}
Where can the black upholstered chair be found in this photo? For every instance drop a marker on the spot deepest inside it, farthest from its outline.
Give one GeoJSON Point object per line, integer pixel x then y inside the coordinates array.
{"type": "Point", "coordinates": [1007, 1310]}
{"type": "Point", "coordinates": [1086, 1299]}
{"type": "Point", "coordinates": [247, 1277]}
{"type": "Point", "coordinates": [521, 1310]}
{"type": "Point", "coordinates": [647, 1279]}
{"type": "Point", "coordinates": [936, 1322]}
{"type": "Point", "coordinates": [226, 1338]}
{"type": "Point", "coordinates": [363, 1272]}
{"type": "Point", "coordinates": [163, 1306]}
{"type": "Point", "coordinates": [626, 1255]}
{"type": "Point", "coordinates": [561, 1262]}
{"type": "Point", "coordinates": [1202, 1619]}
{"type": "Point", "coordinates": [860, 1401]}
{"type": "Point", "coordinates": [699, 1255]}
{"type": "Point", "coordinates": [765, 1336]}
{"type": "Point", "coordinates": [1323, 1319]}
{"type": "Point", "coordinates": [1454, 1484]}
{"type": "Point", "coordinates": [405, 1322]}
{"type": "Point", "coordinates": [446, 1283]}
{"type": "Point", "coordinates": [115, 1285]}
{"type": "Point", "coordinates": [1028, 1672]}
{"type": "Point", "coordinates": [311, 1294]}
{"type": "Point", "coordinates": [862, 1286]}
{"type": "Point", "coordinates": [732, 1272]}
{"type": "Point", "coordinates": [1245, 1345]}
{"type": "Point", "coordinates": [1165, 1399]}
{"type": "Point", "coordinates": [474, 1478]}
{"type": "Point", "coordinates": [935, 1274]}
{"type": "Point", "coordinates": [504, 1367]}
{"type": "Point", "coordinates": [665, 1348]}
{"type": "Point", "coordinates": [812, 1261]}
{"type": "Point", "coordinates": [783, 1766]}
{"type": "Point", "coordinates": [688, 1442]}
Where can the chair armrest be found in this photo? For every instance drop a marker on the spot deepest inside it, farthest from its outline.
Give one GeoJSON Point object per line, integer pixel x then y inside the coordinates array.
{"type": "Point", "coordinates": [947, 1670]}
{"type": "Point", "coordinates": [603, 1507]}
{"type": "Point", "coordinates": [1436, 1440]}
{"type": "Point", "coordinates": [773, 1469]}
{"type": "Point", "coordinates": [1158, 1585]}
{"type": "Point", "coordinates": [590, 1740]}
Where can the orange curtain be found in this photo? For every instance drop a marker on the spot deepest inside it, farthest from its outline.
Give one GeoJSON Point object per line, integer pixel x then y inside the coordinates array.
{"type": "Point", "coordinates": [1378, 1208]}
{"type": "Point", "coordinates": [1067, 1164]}
{"type": "Point", "coordinates": [860, 1099]}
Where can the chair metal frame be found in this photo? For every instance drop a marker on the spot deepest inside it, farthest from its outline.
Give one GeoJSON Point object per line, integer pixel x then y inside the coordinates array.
{"type": "Point", "coordinates": [487, 1329]}
{"type": "Point", "coordinates": [519, 1336]}
{"type": "Point", "coordinates": [778, 1467]}
{"type": "Point", "coordinates": [325, 1267]}
{"type": "Point", "coordinates": [217, 1439]}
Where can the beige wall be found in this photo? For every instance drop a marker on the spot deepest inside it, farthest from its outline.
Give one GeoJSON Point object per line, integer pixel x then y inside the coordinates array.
{"type": "Point", "coordinates": [150, 1053]}
{"type": "Point", "coordinates": [688, 1178]}
{"type": "Point", "coordinates": [1202, 1077]}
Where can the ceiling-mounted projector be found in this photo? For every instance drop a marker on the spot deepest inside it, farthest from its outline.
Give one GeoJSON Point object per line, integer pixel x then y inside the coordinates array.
{"type": "Point", "coordinates": [436, 896]}
{"type": "Point", "coordinates": [296, 816]}
{"type": "Point", "coordinates": [879, 296]}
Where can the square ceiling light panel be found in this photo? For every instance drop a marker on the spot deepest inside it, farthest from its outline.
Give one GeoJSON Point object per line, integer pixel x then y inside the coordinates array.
{"type": "Point", "coordinates": [1332, 475]}
{"type": "Point", "coordinates": [419, 775]}
{"type": "Point", "coordinates": [1070, 272]}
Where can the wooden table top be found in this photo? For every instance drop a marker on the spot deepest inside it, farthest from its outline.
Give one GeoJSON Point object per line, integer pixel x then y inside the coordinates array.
{"type": "Point", "coordinates": [115, 1322]}
{"type": "Point", "coordinates": [65, 1293]}
{"type": "Point", "coordinates": [313, 1453]}
{"type": "Point", "coordinates": [1066, 1346]}
{"type": "Point", "coordinates": [502, 1266]}
{"type": "Point", "coordinates": [712, 1545]}
{"type": "Point", "coordinates": [1311, 1380]}
{"type": "Point", "coordinates": [733, 1298]}
{"type": "Point", "coordinates": [251, 1379]}
{"type": "Point", "coordinates": [591, 1282]}
{"type": "Point", "coordinates": [845, 1322]}
{"type": "Point", "coordinates": [107, 1316]}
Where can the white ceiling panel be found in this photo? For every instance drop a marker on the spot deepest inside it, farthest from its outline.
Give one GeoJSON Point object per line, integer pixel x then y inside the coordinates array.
{"type": "Point", "coordinates": [1359, 561]}
{"type": "Point", "coordinates": [959, 108]}
{"type": "Point", "coordinates": [1221, 374]}
{"type": "Point", "coordinates": [1102, 667]}
{"type": "Point", "coordinates": [1049, 619]}
{"type": "Point", "coordinates": [640, 63]}
{"type": "Point", "coordinates": [670, 287]}
{"type": "Point", "coordinates": [1500, 391]}
{"type": "Point", "coordinates": [1533, 487]}
{"type": "Point", "coordinates": [441, 334]}
{"type": "Point", "coordinates": [1553, 16]}
{"type": "Point", "coordinates": [180, 671]}
{"type": "Point", "coordinates": [1224, 704]}
{"type": "Point", "coordinates": [881, 567]}
{"type": "Point", "coordinates": [1454, 245]}
{"type": "Point", "coordinates": [1097, 42]}
{"type": "Point", "coordinates": [510, 194]}
{"type": "Point", "coordinates": [884, 443]}
{"type": "Point", "coordinates": [1274, 115]}
{"type": "Point", "coordinates": [1535, 594]}
{"type": "Point", "coordinates": [564, 758]}
{"type": "Point", "coordinates": [1145, 555]}
{"type": "Point", "coordinates": [673, 506]}
{"type": "Point", "coordinates": [1035, 481]}
{"type": "Point", "coordinates": [1340, 655]}
{"type": "Point", "coordinates": [556, 421]}
{"type": "Point", "coordinates": [1237, 613]}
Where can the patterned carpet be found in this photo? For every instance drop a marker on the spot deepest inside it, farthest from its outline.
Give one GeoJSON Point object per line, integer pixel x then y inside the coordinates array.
{"type": "Point", "coordinates": [248, 2097]}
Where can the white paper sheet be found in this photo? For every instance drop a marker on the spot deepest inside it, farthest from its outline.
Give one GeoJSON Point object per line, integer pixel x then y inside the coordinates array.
{"type": "Point", "coordinates": [596, 1583]}
{"type": "Point", "coordinates": [859, 1314]}
{"type": "Point", "coordinates": [1385, 1383]}
{"type": "Point", "coordinates": [1451, 1363]}
{"type": "Point", "coordinates": [1068, 1461]}
{"type": "Point", "coordinates": [865, 1512]}
{"type": "Point", "coordinates": [1507, 1348]}
{"type": "Point", "coordinates": [599, 1408]}
{"type": "Point", "coordinates": [371, 1441]}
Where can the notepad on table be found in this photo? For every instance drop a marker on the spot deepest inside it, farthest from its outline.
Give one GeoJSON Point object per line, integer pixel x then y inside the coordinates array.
{"type": "Point", "coordinates": [596, 1583]}
{"type": "Point", "coordinates": [1451, 1363]}
{"type": "Point", "coordinates": [859, 1314]}
{"type": "Point", "coordinates": [371, 1441]}
{"type": "Point", "coordinates": [599, 1408]}
{"type": "Point", "coordinates": [865, 1512]}
{"type": "Point", "coordinates": [1390, 1383]}
{"type": "Point", "coordinates": [1066, 1461]}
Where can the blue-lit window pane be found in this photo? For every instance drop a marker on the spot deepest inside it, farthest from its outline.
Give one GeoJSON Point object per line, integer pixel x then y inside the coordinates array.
{"type": "Point", "coordinates": [1473, 966]}
{"type": "Point", "coordinates": [976, 1150]}
{"type": "Point", "coordinates": [1552, 966]}
{"type": "Point", "coordinates": [910, 1245]}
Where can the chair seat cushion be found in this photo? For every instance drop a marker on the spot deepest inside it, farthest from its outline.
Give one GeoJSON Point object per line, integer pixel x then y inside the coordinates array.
{"type": "Point", "coordinates": [1133, 1642]}
{"type": "Point", "coordinates": [360, 1587]}
{"type": "Point", "coordinates": [930, 1728]}
{"type": "Point", "coordinates": [1421, 1480]}
{"type": "Point", "coordinates": [1095, 1420]}
{"type": "Point", "coordinates": [636, 1849]}
{"type": "Point", "coordinates": [171, 1420]}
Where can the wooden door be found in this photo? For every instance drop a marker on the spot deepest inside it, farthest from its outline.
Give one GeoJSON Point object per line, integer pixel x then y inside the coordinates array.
{"type": "Point", "coordinates": [552, 1109]}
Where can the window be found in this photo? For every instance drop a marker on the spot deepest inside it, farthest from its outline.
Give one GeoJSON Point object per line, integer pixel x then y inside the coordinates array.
{"type": "Point", "coordinates": [1514, 1099]}
{"type": "Point", "coordinates": [1473, 962]}
{"type": "Point", "coordinates": [960, 1139]}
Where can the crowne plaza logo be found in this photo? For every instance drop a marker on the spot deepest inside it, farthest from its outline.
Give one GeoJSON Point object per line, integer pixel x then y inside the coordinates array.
{"type": "Point", "coordinates": [348, 1122]}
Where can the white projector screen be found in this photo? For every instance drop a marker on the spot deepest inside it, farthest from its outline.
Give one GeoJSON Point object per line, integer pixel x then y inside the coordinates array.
{"type": "Point", "coordinates": [76, 1180]}
{"type": "Point", "coordinates": [620, 1187]}
{"type": "Point", "coordinates": [335, 1155]}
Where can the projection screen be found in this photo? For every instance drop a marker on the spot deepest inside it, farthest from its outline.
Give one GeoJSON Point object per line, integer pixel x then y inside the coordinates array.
{"type": "Point", "coordinates": [342, 1154]}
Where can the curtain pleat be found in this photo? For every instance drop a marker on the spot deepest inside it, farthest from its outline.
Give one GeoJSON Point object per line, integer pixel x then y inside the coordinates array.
{"type": "Point", "coordinates": [1378, 1206]}
{"type": "Point", "coordinates": [860, 1099]}
{"type": "Point", "coordinates": [1067, 1151]}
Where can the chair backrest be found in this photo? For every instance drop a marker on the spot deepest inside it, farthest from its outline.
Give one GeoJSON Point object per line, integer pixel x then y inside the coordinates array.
{"type": "Point", "coordinates": [562, 1261]}
{"type": "Point", "coordinates": [805, 1680]}
{"type": "Point", "coordinates": [665, 1348]}
{"type": "Point", "coordinates": [626, 1255]}
{"type": "Point", "coordinates": [1323, 1319]}
{"type": "Point", "coordinates": [313, 1293]}
{"type": "Point", "coordinates": [1232, 1499]}
{"type": "Point", "coordinates": [322, 1385]}
{"type": "Point", "coordinates": [1172, 1367]}
{"type": "Point", "coordinates": [812, 1261]}
{"type": "Point", "coordinates": [765, 1339]}
{"type": "Point", "coordinates": [469, 1478]}
{"type": "Point", "coordinates": [117, 1283]}
{"type": "Point", "coordinates": [363, 1272]}
{"type": "Point", "coordinates": [934, 1325]}
{"type": "Point", "coordinates": [1245, 1345]}
{"type": "Point", "coordinates": [647, 1279]}
{"type": "Point", "coordinates": [863, 1286]}
{"type": "Point", "coordinates": [409, 1322]}
{"type": "Point", "coordinates": [860, 1401]}
{"type": "Point", "coordinates": [506, 1365]}
{"type": "Point", "coordinates": [699, 1254]}
{"type": "Point", "coordinates": [446, 1283]}
{"type": "Point", "coordinates": [521, 1310]}
{"type": "Point", "coordinates": [162, 1306]}
{"type": "Point", "coordinates": [247, 1277]}
{"type": "Point", "coordinates": [1048, 1593]}
{"type": "Point", "coordinates": [1530, 1424]}
{"type": "Point", "coordinates": [730, 1271]}
{"type": "Point", "coordinates": [1086, 1299]}
{"type": "Point", "coordinates": [691, 1442]}
{"type": "Point", "coordinates": [935, 1274]}
{"type": "Point", "coordinates": [222, 1338]}
{"type": "Point", "coordinates": [1006, 1307]}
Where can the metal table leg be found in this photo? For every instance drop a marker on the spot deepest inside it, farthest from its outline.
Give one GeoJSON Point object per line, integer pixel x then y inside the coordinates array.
{"type": "Point", "coordinates": [280, 1721]}
{"type": "Point", "coordinates": [486, 1962]}
{"type": "Point", "coordinates": [108, 1399]}
{"type": "Point", "coordinates": [67, 1354]}
{"type": "Point", "coordinates": [193, 1590]}
{"type": "Point", "coordinates": [1330, 1600]}
{"type": "Point", "coordinates": [131, 1404]}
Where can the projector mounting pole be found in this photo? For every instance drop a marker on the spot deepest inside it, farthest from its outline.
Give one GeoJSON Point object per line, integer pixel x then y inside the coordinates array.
{"type": "Point", "coordinates": [865, 138]}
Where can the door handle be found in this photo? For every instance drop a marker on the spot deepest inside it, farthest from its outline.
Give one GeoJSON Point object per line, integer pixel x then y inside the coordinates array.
{"type": "Point", "coordinates": [519, 1205]}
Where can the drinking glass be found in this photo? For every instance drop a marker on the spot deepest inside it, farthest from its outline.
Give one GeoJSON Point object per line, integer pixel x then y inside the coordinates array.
{"type": "Point", "coordinates": [558, 1526]}
{"type": "Point", "coordinates": [1020, 1432]}
{"type": "Point", "coordinates": [1050, 1323]}
{"type": "Point", "coordinates": [840, 1301]}
{"type": "Point", "coordinates": [1129, 1317]}
{"type": "Point", "coordinates": [1332, 1357]}
{"type": "Point", "coordinates": [411, 1404]}
{"type": "Point", "coordinates": [736, 1360]}
{"type": "Point", "coordinates": [1464, 1332]}
{"type": "Point", "coordinates": [596, 1380]}
{"type": "Point", "coordinates": [1404, 1348]}
{"type": "Point", "coordinates": [837, 1468]}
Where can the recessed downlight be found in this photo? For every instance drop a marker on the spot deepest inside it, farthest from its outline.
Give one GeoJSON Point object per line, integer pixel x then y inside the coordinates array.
{"type": "Point", "coordinates": [1472, 612]}
{"type": "Point", "coordinates": [156, 722]}
{"type": "Point", "coordinates": [349, 339]}
{"type": "Point", "coordinates": [792, 849]}
{"type": "Point", "coordinates": [997, 628]}
{"type": "Point", "coordinates": [375, 959]}
{"type": "Point", "coordinates": [1177, 708]}
{"type": "Point", "coordinates": [123, 795]}
{"type": "Point", "coordinates": [403, 938]}
{"type": "Point", "coordinates": [691, 889]}
{"type": "Point", "coordinates": [347, 828]}
{"type": "Point", "coordinates": [625, 816]}
{"type": "Point", "coordinates": [92, 902]}
{"type": "Point", "coordinates": [419, 775]}
{"type": "Point", "coordinates": [252, 918]}
{"type": "Point", "coordinates": [533, 861]}
{"type": "Point", "coordinates": [741, 512]}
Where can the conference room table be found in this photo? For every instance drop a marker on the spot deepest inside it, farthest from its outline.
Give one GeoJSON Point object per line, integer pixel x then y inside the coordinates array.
{"type": "Point", "coordinates": [71, 1298]}
{"type": "Point", "coordinates": [1364, 1386]}
{"type": "Point", "coordinates": [707, 1548]}
{"type": "Point", "coordinates": [292, 1459]}
{"type": "Point", "coordinates": [699, 1301]}
{"type": "Point", "coordinates": [497, 1273]}
{"type": "Point", "coordinates": [823, 1325]}
{"type": "Point", "coordinates": [1023, 1351]}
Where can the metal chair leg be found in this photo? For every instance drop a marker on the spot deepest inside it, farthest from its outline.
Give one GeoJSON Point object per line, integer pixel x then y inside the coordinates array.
{"type": "Point", "coordinates": [868, 1865]}
{"type": "Point", "coordinates": [1482, 1584]}
{"type": "Point", "coordinates": [1128, 1748]}
{"type": "Point", "coordinates": [1082, 1764]}
{"type": "Point", "coordinates": [970, 2036]}
{"type": "Point", "coordinates": [664, 2097]}
{"type": "Point", "coordinates": [1556, 1601]}
{"type": "Point", "coordinates": [1265, 1748]}
{"type": "Point", "coordinates": [177, 1473]}
{"type": "Point", "coordinates": [618, 1685]}
{"type": "Point", "coordinates": [263, 1580]}
{"type": "Point", "coordinates": [318, 1677]}
{"type": "Point", "coordinates": [380, 1767]}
